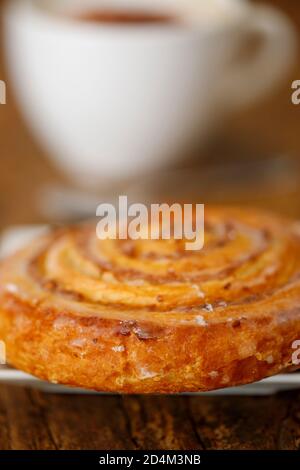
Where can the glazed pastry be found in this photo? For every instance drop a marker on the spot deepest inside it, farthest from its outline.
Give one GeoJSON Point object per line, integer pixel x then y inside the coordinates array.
{"type": "Point", "coordinates": [148, 316]}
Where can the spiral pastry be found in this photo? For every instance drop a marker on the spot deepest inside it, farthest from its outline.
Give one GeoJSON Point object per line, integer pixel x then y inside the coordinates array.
{"type": "Point", "coordinates": [148, 316]}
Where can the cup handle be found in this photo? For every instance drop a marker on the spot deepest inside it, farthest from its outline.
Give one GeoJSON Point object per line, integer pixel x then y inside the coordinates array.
{"type": "Point", "coordinates": [248, 82]}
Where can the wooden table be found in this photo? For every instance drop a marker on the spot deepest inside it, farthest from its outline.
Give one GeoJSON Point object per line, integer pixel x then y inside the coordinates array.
{"type": "Point", "coordinates": [33, 420]}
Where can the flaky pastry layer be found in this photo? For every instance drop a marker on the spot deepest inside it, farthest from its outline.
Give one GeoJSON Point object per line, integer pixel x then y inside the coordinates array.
{"type": "Point", "coordinates": [148, 316]}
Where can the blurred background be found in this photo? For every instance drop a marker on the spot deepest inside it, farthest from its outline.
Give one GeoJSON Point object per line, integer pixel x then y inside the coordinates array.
{"type": "Point", "coordinates": [250, 156]}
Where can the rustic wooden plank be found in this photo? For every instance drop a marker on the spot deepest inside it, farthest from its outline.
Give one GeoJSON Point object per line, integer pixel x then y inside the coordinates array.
{"type": "Point", "coordinates": [289, 433]}
{"type": "Point", "coordinates": [25, 426]}
{"type": "Point", "coordinates": [86, 422]}
{"type": "Point", "coordinates": [34, 420]}
{"type": "Point", "coordinates": [161, 422]}
{"type": "Point", "coordinates": [4, 422]}
{"type": "Point", "coordinates": [239, 422]}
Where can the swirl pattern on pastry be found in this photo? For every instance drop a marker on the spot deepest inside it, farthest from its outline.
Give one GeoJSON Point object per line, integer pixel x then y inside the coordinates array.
{"type": "Point", "coordinates": [149, 316]}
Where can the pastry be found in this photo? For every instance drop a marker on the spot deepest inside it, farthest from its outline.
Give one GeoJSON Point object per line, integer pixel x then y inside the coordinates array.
{"type": "Point", "coordinates": [148, 316]}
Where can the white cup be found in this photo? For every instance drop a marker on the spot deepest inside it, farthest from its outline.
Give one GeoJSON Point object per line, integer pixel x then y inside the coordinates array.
{"type": "Point", "coordinates": [111, 101]}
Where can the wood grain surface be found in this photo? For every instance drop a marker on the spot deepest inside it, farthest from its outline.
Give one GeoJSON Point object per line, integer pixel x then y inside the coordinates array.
{"type": "Point", "coordinates": [33, 420]}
